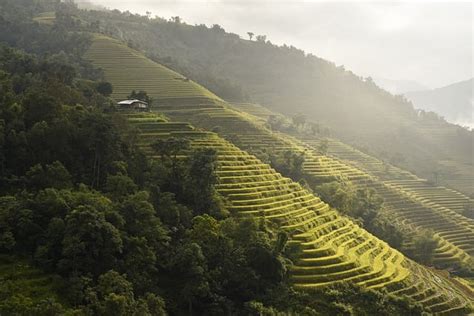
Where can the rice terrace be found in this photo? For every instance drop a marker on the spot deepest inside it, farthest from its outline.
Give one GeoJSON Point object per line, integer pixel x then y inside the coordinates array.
{"type": "Point", "coordinates": [155, 167]}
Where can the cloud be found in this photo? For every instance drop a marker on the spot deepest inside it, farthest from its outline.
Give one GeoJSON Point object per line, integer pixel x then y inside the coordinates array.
{"type": "Point", "coordinates": [429, 42]}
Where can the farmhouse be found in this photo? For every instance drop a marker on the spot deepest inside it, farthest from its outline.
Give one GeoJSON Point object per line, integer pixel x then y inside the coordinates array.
{"type": "Point", "coordinates": [134, 104]}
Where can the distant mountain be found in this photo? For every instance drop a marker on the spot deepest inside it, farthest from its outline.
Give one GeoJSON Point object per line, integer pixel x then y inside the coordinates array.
{"type": "Point", "coordinates": [399, 86]}
{"type": "Point", "coordinates": [454, 102]}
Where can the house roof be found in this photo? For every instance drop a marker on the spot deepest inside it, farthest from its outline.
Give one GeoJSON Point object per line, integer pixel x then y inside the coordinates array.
{"type": "Point", "coordinates": [130, 102]}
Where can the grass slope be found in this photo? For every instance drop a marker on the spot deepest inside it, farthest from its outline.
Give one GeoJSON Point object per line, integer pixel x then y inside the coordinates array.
{"type": "Point", "coordinates": [129, 70]}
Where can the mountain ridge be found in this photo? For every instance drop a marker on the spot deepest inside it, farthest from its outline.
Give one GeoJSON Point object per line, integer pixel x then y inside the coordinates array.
{"type": "Point", "coordinates": [454, 101]}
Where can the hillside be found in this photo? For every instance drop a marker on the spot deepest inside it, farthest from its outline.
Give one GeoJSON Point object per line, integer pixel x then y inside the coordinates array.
{"type": "Point", "coordinates": [410, 202]}
{"type": "Point", "coordinates": [289, 81]}
{"type": "Point", "coordinates": [197, 206]}
{"type": "Point", "coordinates": [334, 248]}
{"type": "Point", "coordinates": [453, 102]}
{"type": "Point", "coordinates": [139, 73]}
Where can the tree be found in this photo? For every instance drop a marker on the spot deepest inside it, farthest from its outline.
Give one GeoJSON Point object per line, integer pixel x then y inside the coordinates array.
{"type": "Point", "coordinates": [176, 19]}
{"type": "Point", "coordinates": [189, 265]}
{"type": "Point", "coordinates": [323, 146]}
{"type": "Point", "coordinates": [90, 243]}
{"type": "Point", "coordinates": [217, 28]}
{"type": "Point", "coordinates": [156, 305]}
{"type": "Point", "coordinates": [54, 175]}
{"type": "Point", "coordinates": [261, 38]}
{"type": "Point", "coordinates": [120, 186]}
{"type": "Point", "coordinates": [105, 88]}
{"type": "Point", "coordinates": [424, 246]}
{"type": "Point", "coordinates": [201, 181]}
{"type": "Point", "coordinates": [40, 107]}
{"type": "Point", "coordinates": [299, 119]}
{"type": "Point", "coordinates": [315, 128]}
{"type": "Point", "coordinates": [169, 150]}
{"type": "Point", "coordinates": [112, 282]}
{"type": "Point", "coordinates": [338, 195]}
{"type": "Point", "coordinates": [173, 214]}
{"type": "Point", "coordinates": [250, 34]}
{"type": "Point", "coordinates": [115, 294]}
{"type": "Point", "coordinates": [140, 95]}
{"type": "Point", "coordinates": [383, 228]}
{"type": "Point", "coordinates": [276, 122]}
{"type": "Point", "coordinates": [141, 220]}
{"type": "Point", "coordinates": [288, 163]}
{"type": "Point", "coordinates": [365, 205]}
{"type": "Point", "coordinates": [7, 241]}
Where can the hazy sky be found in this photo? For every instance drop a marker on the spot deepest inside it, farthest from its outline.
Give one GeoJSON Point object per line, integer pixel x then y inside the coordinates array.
{"type": "Point", "coordinates": [425, 41]}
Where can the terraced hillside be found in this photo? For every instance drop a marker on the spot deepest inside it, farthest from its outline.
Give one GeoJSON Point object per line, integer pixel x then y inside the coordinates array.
{"type": "Point", "coordinates": [456, 175]}
{"type": "Point", "coordinates": [455, 172]}
{"type": "Point", "coordinates": [416, 203]}
{"type": "Point", "coordinates": [413, 203]}
{"type": "Point", "coordinates": [333, 248]}
{"type": "Point", "coordinates": [129, 70]}
{"type": "Point", "coordinates": [453, 231]}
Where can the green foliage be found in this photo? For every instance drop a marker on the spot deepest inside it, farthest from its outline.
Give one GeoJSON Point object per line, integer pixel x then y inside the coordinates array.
{"type": "Point", "coordinates": [90, 242]}
{"type": "Point", "coordinates": [275, 122]}
{"type": "Point", "coordinates": [323, 147]}
{"type": "Point", "coordinates": [200, 183]}
{"type": "Point", "coordinates": [288, 163]}
{"type": "Point", "coordinates": [340, 299]}
{"type": "Point", "coordinates": [424, 246]}
{"type": "Point", "coordinates": [222, 264]}
{"type": "Point", "coordinates": [120, 186]}
{"type": "Point", "coordinates": [169, 148]}
{"type": "Point", "coordinates": [363, 205]}
{"type": "Point", "coordinates": [40, 130]}
{"type": "Point", "coordinates": [339, 195]}
{"type": "Point", "coordinates": [299, 120]}
{"type": "Point", "coordinates": [25, 290]}
{"type": "Point", "coordinates": [140, 95]}
{"type": "Point", "coordinates": [54, 175]}
{"type": "Point", "coordinates": [105, 88]}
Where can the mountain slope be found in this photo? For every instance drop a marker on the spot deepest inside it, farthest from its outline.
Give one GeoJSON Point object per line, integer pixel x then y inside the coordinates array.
{"type": "Point", "coordinates": [454, 102]}
{"type": "Point", "coordinates": [288, 80]}
{"type": "Point", "coordinates": [411, 202]}
{"type": "Point", "coordinates": [334, 248]}
{"type": "Point", "coordinates": [135, 72]}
